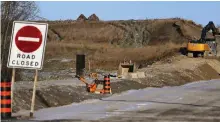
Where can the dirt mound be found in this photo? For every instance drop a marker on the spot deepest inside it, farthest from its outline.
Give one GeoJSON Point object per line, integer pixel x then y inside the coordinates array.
{"type": "Point", "coordinates": [93, 17]}
{"type": "Point", "coordinates": [81, 18]}
{"type": "Point", "coordinates": [128, 33]}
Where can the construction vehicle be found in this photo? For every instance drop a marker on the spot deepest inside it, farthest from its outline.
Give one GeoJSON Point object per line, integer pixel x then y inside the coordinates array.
{"type": "Point", "coordinates": [97, 86]}
{"type": "Point", "coordinates": [205, 46]}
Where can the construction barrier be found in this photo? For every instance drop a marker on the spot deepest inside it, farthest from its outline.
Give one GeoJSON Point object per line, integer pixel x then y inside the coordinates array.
{"type": "Point", "coordinates": [6, 99]}
{"type": "Point", "coordinates": [107, 86]}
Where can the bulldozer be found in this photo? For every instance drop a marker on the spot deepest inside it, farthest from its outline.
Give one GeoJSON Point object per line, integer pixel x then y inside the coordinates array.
{"type": "Point", "coordinates": [205, 47]}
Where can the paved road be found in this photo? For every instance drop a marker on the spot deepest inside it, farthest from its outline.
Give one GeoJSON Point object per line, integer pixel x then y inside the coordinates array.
{"type": "Point", "coordinates": [198, 101]}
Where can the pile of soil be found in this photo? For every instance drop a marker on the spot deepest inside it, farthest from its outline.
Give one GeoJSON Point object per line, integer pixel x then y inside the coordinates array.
{"type": "Point", "coordinates": [93, 17]}
{"type": "Point", "coordinates": [81, 18]}
{"type": "Point", "coordinates": [129, 33]}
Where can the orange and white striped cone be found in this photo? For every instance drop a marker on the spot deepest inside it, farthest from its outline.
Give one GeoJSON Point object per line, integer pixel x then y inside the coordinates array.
{"type": "Point", "coordinates": [107, 86]}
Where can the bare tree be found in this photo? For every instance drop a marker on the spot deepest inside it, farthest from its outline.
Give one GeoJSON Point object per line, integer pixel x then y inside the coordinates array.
{"type": "Point", "coordinates": [13, 11]}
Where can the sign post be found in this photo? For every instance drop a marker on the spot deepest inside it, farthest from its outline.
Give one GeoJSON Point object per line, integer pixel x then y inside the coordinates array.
{"type": "Point", "coordinates": [27, 49]}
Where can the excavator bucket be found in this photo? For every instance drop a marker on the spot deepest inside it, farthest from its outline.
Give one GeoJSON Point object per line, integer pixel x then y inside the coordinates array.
{"type": "Point", "coordinates": [212, 52]}
{"type": "Point", "coordinates": [214, 46]}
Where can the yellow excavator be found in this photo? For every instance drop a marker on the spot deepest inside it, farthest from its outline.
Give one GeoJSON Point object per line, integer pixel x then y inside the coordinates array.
{"type": "Point", "coordinates": [205, 46]}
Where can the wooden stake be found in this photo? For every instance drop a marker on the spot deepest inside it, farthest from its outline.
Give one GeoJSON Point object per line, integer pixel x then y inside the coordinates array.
{"type": "Point", "coordinates": [89, 65]}
{"type": "Point", "coordinates": [34, 94]}
{"type": "Point", "coordinates": [12, 85]}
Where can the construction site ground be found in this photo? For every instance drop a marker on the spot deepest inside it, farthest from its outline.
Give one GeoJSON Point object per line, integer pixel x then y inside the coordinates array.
{"type": "Point", "coordinates": [152, 44]}
{"type": "Point", "coordinates": [174, 70]}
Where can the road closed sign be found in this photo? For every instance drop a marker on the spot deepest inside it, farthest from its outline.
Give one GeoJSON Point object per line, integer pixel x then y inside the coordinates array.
{"type": "Point", "coordinates": [28, 43]}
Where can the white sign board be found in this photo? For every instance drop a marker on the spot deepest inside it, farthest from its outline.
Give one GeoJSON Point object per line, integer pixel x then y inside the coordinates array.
{"type": "Point", "coordinates": [28, 43]}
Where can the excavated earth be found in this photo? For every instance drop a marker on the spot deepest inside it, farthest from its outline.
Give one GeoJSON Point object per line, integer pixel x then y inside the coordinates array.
{"type": "Point", "coordinates": [171, 71]}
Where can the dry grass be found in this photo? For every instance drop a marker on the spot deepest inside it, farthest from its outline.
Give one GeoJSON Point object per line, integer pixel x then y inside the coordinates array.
{"type": "Point", "coordinates": [111, 57]}
{"type": "Point", "coordinates": [105, 56]}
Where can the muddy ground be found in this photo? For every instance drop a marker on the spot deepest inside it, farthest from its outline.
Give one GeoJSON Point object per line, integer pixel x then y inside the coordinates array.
{"type": "Point", "coordinates": [171, 71]}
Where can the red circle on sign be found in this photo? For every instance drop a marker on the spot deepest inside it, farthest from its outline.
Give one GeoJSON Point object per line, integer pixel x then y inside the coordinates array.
{"type": "Point", "coordinates": [28, 39]}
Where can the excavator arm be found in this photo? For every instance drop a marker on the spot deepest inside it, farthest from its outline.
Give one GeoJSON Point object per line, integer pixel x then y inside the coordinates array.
{"type": "Point", "coordinates": [209, 26]}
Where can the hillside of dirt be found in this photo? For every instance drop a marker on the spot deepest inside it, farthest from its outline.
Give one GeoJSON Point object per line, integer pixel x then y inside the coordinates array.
{"type": "Point", "coordinates": [125, 33]}
{"type": "Point", "coordinates": [107, 43]}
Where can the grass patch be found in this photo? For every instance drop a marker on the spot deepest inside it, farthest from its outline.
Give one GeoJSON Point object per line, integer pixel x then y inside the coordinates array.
{"type": "Point", "coordinates": [104, 56]}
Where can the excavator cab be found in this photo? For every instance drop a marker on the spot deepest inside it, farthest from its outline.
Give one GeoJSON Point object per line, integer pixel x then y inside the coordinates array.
{"type": "Point", "coordinates": [205, 46]}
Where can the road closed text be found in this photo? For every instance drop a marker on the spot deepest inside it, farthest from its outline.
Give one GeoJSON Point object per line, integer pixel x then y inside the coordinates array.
{"type": "Point", "coordinates": [27, 60]}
